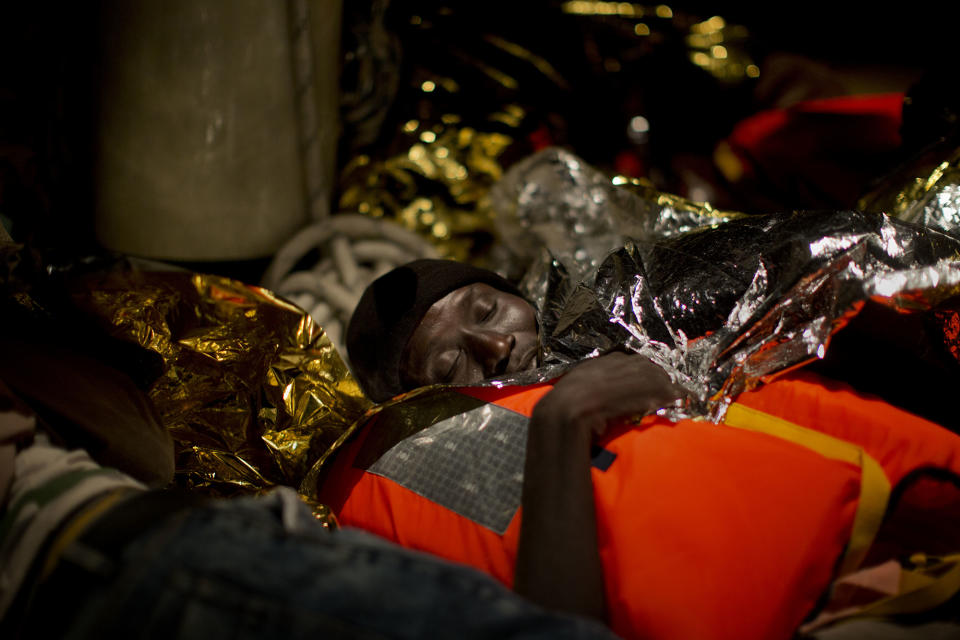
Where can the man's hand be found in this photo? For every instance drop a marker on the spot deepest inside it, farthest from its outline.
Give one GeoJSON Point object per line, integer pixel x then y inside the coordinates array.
{"type": "Point", "coordinates": [603, 390]}
{"type": "Point", "coordinates": [558, 564]}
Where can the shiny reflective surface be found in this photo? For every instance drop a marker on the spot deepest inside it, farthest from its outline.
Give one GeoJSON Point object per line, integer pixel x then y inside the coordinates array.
{"type": "Point", "coordinates": [554, 200]}
{"type": "Point", "coordinates": [925, 191]}
{"type": "Point", "coordinates": [252, 390]}
{"type": "Point", "coordinates": [721, 300]}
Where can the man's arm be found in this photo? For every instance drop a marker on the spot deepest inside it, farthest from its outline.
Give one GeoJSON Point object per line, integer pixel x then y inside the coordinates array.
{"type": "Point", "coordinates": [558, 563]}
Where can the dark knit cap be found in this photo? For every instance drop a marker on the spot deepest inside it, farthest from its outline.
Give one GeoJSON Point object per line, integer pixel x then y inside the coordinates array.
{"type": "Point", "coordinates": [390, 310]}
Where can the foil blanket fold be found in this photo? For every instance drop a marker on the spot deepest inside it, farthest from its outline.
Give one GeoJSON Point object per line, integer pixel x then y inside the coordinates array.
{"type": "Point", "coordinates": [721, 300]}
{"type": "Point", "coordinates": [251, 389]}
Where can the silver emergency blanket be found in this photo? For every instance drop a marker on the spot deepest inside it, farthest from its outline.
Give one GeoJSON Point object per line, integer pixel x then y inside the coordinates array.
{"type": "Point", "coordinates": [925, 190]}
{"type": "Point", "coordinates": [555, 200]}
{"type": "Point", "coordinates": [721, 305]}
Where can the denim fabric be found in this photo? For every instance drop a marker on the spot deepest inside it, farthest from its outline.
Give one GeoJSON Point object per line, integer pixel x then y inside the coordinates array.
{"type": "Point", "coordinates": [263, 568]}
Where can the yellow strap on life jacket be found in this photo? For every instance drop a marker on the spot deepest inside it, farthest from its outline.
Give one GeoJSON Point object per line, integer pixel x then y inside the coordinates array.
{"type": "Point", "coordinates": [874, 485]}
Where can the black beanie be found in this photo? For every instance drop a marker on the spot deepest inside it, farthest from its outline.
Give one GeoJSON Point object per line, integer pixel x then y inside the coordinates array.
{"type": "Point", "coordinates": [390, 310]}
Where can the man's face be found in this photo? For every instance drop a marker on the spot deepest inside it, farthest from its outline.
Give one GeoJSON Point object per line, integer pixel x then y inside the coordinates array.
{"type": "Point", "coordinates": [473, 333]}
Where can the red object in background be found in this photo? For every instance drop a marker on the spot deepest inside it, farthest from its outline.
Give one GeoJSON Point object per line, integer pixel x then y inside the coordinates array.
{"type": "Point", "coordinates": [540, 138]}
{"type": "Point", "coordinates": [629, 163]}
{"type": "Point", "coordinates": [817, 153]}
{"type": "Point", "coordinates": [949, 319]}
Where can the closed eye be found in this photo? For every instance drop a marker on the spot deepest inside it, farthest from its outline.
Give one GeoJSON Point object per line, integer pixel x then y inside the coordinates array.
{"type": "Point", "coordinates": [489, 313]}
{"type": "Point", "coordinates": [452, 371]}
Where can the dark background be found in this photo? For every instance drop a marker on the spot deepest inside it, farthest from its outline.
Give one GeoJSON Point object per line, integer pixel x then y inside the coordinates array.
{"type": "Point", "coordinates": [49, 81]}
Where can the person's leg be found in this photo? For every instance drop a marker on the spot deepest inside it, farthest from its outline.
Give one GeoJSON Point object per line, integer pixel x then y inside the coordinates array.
{"type": "Point", "coordinates": [263, 568]}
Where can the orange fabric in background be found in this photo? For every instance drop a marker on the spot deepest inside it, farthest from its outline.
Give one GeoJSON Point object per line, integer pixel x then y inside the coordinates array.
{"type": "Point", "coordinates": [705, 531]}
{"type": "Point", "coordinates": [878, 116]}
{"type": "Point", "coordinates": [816, 153]}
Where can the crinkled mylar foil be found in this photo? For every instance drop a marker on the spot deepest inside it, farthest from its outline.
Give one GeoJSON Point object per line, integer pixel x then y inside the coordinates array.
{"type": "Point", "coordinates": [429, 161]}
{"type": "Point", "coordinates": [424, 150]}
{"type": "Point", "coordinates": [713, 45]}
{"type": "Point", "coordinates": [251, 389]}
{"type": "Point", "coordinates": [721, 300]}
{"type": "Point", "coordinates": [925, 191]}
{"type": "Point", "coordinates": [437, 186]}
{"type": "Point", "coordinates": [723, 309]}
{"type": "Point", "coordinates": [554, 200]}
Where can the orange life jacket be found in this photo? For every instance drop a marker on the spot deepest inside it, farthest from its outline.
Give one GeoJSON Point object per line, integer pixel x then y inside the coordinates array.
{"type": "Point", "coordinates": [705, 531]}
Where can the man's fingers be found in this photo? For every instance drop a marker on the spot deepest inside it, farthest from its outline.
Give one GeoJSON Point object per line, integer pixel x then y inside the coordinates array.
{"type": "Point", "coordinates": [600, 391]}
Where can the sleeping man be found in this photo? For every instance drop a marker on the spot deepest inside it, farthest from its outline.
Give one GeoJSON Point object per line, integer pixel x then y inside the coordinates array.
{"type": "Point", "coordinates": [435, 321]}
{"type": "Point", "coordinates": [693, 321]}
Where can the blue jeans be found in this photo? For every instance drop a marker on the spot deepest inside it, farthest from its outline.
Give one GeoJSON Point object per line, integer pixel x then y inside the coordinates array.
{"type": "Point", "coordinates": [264, 568]}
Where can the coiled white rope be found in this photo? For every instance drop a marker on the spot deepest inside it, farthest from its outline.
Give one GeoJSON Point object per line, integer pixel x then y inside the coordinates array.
{"type": "Point", "coordinates": [353, 251]}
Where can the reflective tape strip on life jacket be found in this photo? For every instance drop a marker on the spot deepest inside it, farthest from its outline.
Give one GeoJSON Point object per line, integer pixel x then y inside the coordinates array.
{"type": "Point", "coordinates": [874, 486]}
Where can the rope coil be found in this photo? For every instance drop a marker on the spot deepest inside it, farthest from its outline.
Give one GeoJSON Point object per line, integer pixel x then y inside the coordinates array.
{"type": "Point", "coordinates": [353, 251]}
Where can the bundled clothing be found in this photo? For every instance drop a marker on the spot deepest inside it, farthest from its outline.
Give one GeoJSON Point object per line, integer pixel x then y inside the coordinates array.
{"type": "Point", "coordinates": [49, 486]}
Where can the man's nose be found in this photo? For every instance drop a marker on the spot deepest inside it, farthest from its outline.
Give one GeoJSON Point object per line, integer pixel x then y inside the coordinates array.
{"type": "Point", "coordinates": [492, 350]}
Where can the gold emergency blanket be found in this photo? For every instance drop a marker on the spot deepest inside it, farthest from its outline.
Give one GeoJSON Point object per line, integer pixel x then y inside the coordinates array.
{"type": "Point", "coordinates": [440, 99]}
{"type": "Point", "coordinates": [251, 389]}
